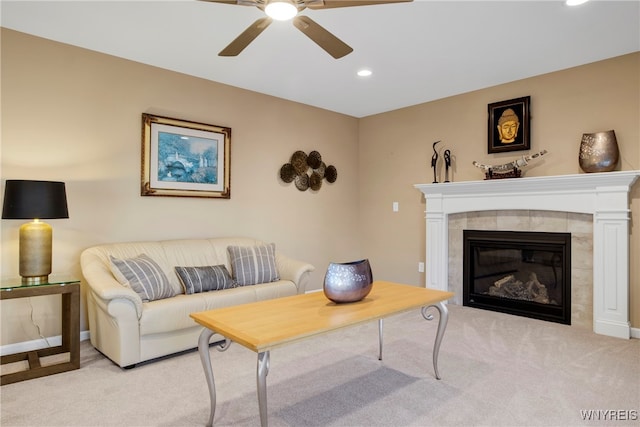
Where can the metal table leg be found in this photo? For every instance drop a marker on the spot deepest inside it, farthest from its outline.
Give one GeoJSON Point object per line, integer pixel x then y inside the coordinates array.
{"type": "Point", "coordinates": [442, 325]}
{"type": "Point", "coordinates": [205, 358]}
{"type": "Point", "coordinates": [262, 371]}
{"type": "Point", "coordinates": [380, 325]}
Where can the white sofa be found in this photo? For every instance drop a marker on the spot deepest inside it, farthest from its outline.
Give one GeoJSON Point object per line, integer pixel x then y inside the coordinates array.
{"type": "Point", "coordinates": [128, 330]}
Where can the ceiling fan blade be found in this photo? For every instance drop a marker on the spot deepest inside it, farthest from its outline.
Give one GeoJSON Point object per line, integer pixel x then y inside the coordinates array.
{"type": "Point", "coordinates": [323, 38]}
{"type": "Point", "coordinates": [238, 2]}
{"type": "Point", "coordinates": [235, 47]}
{"type": "Point", "coordinates": [329, 4]}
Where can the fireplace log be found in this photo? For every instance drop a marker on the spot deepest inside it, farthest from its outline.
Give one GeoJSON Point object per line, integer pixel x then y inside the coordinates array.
{"type": "Point", "coordinates": [510, 287]}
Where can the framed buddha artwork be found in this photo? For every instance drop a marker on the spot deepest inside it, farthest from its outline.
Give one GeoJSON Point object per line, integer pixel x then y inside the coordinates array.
{"type": "Point", "coordinates": [508, 128]}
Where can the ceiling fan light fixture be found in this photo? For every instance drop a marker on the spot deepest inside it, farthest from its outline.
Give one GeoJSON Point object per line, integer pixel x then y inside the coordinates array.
{"type": "Point", "coordinates": [281, 10]}
{"type": "Point", "coordinates": [575, 2]}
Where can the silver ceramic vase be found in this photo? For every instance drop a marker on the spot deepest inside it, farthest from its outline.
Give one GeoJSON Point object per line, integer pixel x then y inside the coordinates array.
{"type": "Point", "coordinates": [348, 282]}
{"type": "Point", "coordinates": [599, 152]}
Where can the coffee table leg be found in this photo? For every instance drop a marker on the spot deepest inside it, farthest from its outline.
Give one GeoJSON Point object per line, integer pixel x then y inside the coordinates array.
{"type": "Point", "coordinates": [205, 358]}
{"type": "Point", "coordinates": [262, 371]}
{"type": "Point", "coordinates": [442, 325]}
{"type": "Point", "coordinates": [380, 324]}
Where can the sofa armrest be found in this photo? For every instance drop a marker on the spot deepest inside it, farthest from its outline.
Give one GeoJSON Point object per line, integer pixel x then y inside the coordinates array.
{"type": "Point", "coordinates": [294, 270]}
{"type": "Point", "coordinates": [104, 285]}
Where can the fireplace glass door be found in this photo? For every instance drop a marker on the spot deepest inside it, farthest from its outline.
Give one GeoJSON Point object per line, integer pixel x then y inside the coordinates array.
{"type": "Point", "coordinates": [517, 272]}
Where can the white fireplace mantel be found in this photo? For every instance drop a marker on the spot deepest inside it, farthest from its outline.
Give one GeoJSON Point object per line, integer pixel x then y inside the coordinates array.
{"type": "Point", "coordinates": [604, 195]}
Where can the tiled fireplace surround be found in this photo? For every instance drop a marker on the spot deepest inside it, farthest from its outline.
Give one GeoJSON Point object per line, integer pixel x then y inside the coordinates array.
{"type": "Point", "coordinates": [594, 208]}
{"type": "Point", "coordinates": [579, 225]}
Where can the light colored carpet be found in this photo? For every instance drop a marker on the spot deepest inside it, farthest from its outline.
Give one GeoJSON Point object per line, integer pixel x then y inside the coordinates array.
{"type": "Point", "coordinates": [497, 370]}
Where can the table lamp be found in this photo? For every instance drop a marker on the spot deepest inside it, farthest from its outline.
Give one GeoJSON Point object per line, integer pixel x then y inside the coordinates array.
{"type": "Point", "coordinates": [35, 200]}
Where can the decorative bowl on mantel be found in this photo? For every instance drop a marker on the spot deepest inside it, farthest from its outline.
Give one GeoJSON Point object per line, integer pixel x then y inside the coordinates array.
{"type": "Point", "coordinates": [599, 152]}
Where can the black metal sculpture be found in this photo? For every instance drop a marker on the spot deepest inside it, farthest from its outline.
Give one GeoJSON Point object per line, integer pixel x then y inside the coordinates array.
{"type": "Point", "coordinates": [447, 164]}
{"type": "Point", "coordinates": [434, 161]}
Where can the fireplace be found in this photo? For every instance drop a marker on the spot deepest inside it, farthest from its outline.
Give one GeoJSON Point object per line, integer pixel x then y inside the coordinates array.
{"type": "Point", "coordinates": [518, 272]}
{"type": "Point", "coordinates": [604, 196]}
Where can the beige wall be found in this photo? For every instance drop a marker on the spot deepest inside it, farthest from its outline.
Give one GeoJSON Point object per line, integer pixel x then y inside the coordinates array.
{"type": "Point", "coordinates": [74, 115]}
{"type": "Point", "coordinates": [396, 148]}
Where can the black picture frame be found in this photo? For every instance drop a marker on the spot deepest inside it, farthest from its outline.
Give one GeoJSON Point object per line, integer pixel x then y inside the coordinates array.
{"type": "Point", "coordinates": [500, 113]}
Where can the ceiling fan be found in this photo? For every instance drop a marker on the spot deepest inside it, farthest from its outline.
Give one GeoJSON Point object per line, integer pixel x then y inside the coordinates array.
{"type": "Point", "coordinates": [287, 9]}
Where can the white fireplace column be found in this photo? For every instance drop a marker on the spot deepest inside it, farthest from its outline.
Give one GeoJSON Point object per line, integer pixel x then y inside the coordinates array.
{"type": "Point", "coordinates": [603, 195]}
{"type": "Point", "coordinates": [611, 270]}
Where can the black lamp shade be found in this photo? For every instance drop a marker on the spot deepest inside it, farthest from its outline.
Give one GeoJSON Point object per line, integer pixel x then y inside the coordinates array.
{"type": "Point", "coordinates": [34, 199]}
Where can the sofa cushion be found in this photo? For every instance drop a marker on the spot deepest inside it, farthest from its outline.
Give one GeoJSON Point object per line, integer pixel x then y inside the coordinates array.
{"type": "Point", "coordinates": [143, 275]}
{"type": "Point", "coordinates": [203, 279]}
{"type": "Point", "coordinates": [172, 314]}
{"type": "Point", "coordinates": [251, 265]}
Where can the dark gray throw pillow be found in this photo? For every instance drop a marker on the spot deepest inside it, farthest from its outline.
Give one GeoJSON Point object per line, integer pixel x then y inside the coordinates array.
{"type": "Point", "coordinates": [143, 275]}
{"type": "Point", "coordinates": [251, 265]}
{"type": "Point", "coordinates": [202, 279]}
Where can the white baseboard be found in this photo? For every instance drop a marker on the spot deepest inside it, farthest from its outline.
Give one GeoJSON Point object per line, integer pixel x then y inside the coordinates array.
{"type": "Point", "coordinates": [20, 347]}
{"type": "Point", "coordinates": [635, 332]}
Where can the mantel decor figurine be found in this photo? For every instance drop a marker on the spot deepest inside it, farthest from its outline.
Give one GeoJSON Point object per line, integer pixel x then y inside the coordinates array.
{"type": "Point", "coordinates": [434, 162]}
{"type": "Point", "coordinates": [446, 156]}
{"type": "Point", "coordinates": [599, 152]}
{"type": "Point", "coordinates": [508, 170]}
{"type": "Point", "coordinates": [447, 164]}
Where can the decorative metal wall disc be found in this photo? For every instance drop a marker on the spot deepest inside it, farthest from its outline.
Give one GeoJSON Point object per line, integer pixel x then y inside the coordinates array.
{"type": "Point", "coordinates": [314, 159]}
{"type": "Point", "coordinates": [315, 181]}
{"type": "Point", "coordinates": [320, 169]}
{"type": "Point", "coordinates": [331, 174]}
{"type": "Point", "coordinates": [307, 171]}
{"type": "Point", "coordinates": [302, 182]}
{"type": "Point", "coordinates": [299, 162]}
{"type": "Point", "coordinates": [287, 173]}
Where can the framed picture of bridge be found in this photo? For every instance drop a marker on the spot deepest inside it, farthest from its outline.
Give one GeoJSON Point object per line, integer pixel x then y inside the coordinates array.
{"type": "Point", "coordinates": [185, 159]}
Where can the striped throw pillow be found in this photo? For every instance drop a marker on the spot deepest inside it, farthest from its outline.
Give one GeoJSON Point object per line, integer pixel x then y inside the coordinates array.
{"type": "Point", "coordinates": [202, 279]}
{"type": "Point", "coordinates": [251, 265]}
{"type": "Point", "coordinates": [143, 275]}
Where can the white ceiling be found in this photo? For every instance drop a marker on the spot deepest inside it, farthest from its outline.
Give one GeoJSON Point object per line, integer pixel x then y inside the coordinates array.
{"type": "Point", "coordinates": [418, 51]}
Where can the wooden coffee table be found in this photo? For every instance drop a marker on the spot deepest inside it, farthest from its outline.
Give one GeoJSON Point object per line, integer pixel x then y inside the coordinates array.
{"type": "Point", "coordinates": [264, 325]}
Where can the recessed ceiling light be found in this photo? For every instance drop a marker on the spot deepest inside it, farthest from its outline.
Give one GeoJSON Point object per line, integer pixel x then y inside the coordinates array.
{"type": "Point", "coordinates": [364, 72]}
{"type": "Point", "coordinates": [575, 2]}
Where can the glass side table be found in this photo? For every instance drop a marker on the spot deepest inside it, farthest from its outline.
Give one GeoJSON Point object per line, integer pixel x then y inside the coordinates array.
{"type": "Point", "coordinates": [69, 289]}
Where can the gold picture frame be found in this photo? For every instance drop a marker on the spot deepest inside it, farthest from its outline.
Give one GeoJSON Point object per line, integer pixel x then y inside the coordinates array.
{"type": "Point", "coordinates": [181, 158]}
